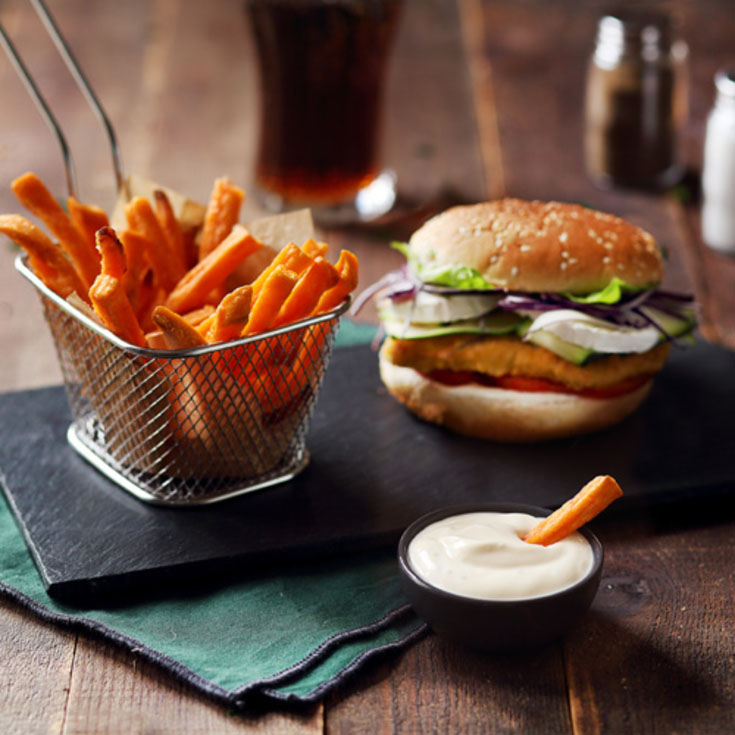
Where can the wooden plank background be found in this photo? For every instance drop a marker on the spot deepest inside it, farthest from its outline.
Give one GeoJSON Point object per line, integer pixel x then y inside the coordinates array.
{"type": "Point", "coordinates": [484, 99]}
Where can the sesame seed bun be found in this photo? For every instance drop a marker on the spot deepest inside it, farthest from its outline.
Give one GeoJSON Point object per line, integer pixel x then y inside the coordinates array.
{"type": "Point", "coordinates": [505, 415]}
{"type": "Point", "coordinates": [540, 246]}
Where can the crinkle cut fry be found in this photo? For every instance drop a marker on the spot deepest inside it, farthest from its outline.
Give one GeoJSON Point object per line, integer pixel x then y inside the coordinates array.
{"type": "Point", "coordinates": [37, 199]}
{"type": "Point", "coordinates": [46, 258]}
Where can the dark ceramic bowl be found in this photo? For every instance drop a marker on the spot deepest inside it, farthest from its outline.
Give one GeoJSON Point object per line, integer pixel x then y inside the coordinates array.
{"type": "Point", "coordinates": [497, 625]}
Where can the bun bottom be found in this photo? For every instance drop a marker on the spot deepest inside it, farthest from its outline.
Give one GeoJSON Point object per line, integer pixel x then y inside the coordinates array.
{"type": "Point", "coordinates": [502, 414]}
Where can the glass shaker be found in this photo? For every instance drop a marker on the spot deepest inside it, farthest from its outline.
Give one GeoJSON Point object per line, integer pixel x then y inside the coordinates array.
{"type": "Point", "coordinates": [718, 175]}
{"type": "Point", "coordinates": [636, 101]}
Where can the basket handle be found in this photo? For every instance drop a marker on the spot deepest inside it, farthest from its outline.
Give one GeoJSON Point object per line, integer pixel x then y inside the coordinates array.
{"type": "Point", "coordinates": [81, 80]}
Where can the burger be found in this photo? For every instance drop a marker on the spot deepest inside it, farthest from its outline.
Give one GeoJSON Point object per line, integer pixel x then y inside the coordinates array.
{"type": "Point", "coordinates": [524, 320]}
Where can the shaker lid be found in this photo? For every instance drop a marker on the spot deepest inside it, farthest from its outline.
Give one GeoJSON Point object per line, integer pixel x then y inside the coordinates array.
{"type": "Point", "coordinates": [632, 31]}
{"type": "Point", "coordinates": [725, 83]}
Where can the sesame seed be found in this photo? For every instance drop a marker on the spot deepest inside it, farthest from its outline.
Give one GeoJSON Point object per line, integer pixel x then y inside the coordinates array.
{"type": "Point", "coordinates": [514, 270]}
{"type": "Point", "coordinates": [525, 248]}
{"type": "Point", "coordinates": [564, 254]}
{"type": "Point", "coordinates": [607, 245]}
{"type": "Point", "coordinates": [563, 266]}
{"type": "Point", "coordinates": [493, 258]}
{"type": "Point", "coordinates": [563, 237]}
{"type": "Point", "coordinates": [572, 261]}
{"type": "Point", "coordinates": [592, 233]}
{"type": "Point", "coordinates": [606, 259]}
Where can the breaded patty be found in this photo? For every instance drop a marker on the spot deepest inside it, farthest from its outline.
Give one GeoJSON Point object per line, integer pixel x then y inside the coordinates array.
{"type": "Point", "coordinates": [499, 356]}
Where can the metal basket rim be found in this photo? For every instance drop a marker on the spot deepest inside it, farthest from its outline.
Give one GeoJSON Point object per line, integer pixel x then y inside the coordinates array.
{"type": "Point", "coordinates": [21, 265]}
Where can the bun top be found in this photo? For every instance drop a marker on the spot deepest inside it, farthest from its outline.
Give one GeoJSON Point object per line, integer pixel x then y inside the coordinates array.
{"type": "Point", "coordinates": [540, 246]}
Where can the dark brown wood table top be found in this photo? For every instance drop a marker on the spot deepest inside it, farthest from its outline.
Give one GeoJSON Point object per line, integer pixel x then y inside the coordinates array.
{"type": "Point", "coordinates": [484, 100]}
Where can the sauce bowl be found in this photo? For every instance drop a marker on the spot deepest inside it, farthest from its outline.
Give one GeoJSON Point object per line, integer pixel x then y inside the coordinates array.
{"type": "Point", "coordinates": [497, 625]}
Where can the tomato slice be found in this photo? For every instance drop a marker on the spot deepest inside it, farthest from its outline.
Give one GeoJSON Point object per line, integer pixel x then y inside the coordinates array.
{"type": "Point", "coordinates": [534, 385]}
{"type": "Point", "coordinates": [530, 385]}
{"type": "Point", "coordinates": [619, 389]}
{"type": "Point", "coordinates": [460, 377]}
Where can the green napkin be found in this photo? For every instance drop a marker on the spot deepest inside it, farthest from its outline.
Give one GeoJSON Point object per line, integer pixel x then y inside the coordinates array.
{"type": "Point", "coordinates": [290, 637]}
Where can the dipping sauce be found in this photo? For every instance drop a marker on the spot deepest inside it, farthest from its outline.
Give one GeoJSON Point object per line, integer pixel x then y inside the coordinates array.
{"type": "Point", "coordinates": [481, 555]}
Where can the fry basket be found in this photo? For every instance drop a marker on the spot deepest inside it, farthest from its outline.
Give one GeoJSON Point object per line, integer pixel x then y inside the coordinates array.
{"type": "Point", "coordinates": [186, 427]}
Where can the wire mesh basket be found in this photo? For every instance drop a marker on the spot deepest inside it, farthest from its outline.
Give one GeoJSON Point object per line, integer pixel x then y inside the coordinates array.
{"type": "Point", "coordinates": [184, 427]}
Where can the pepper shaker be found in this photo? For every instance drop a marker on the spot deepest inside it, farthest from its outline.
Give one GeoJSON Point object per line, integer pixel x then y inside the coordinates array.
{"type": "Point", "coordinates": [718, 174]}
{"type": "Point", "coordinates": [635, 101]}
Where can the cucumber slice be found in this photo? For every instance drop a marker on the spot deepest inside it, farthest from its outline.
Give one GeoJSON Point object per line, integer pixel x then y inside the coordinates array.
{"type": "Point", "coordinates": [501, 322]}
{"type": "Point", "coordinates": [674, 326]}
{"type": "Point", "coordinates": [566, 350]}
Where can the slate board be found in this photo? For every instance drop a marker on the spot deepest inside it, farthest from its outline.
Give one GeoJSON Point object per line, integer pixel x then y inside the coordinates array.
{"type": "Point", "coordinates": [374, 469]}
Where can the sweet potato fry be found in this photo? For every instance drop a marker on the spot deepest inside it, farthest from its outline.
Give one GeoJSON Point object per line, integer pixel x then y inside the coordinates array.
{"type": "Point", "coordinates": [75, 300]}
{"type": "Point", "coordinates": [171, 229]}
{"type": "Point", "coordinates": [292, 257]}
{"type": "Point", "coordinates": [591, 500]}
{"type": "Point", "coordinates": [34, 196]}
{"type": "Point", "coordinates": [231, 316]}
{"type": "Point", "coordinates": [155, 340]}
{"type": "Point", "coordinates": [135, 247]}
{"type": "Point", "coordinates": [151, 296]}
{"type": "Point", "coordinates": [222, 215]}
{"type": "Point", "coordinates": [315, 249]}
{"type": "Point", "coordinates": [317, 279]}
{"type": "Point", "coordinates": [348, 270]}
{"type": "Point", "coordinates": [193, 289]}
{"type": "Point", "coordinates": [113, 307]}
{"type": "Point", "coordinates": [177, 332]}
{"type": "Point", "coordinates": [274, 292]}
{"type": "Point", "coordinates": [197, 316]}
{"type": "Point", "coordinates": [167, 268]}
{"type": "Point", "coordinates": [46, 259]}
{"type": "Point", "coordinates": [87, 218]}
{"type": "Point", "coordinates": [111, 250]}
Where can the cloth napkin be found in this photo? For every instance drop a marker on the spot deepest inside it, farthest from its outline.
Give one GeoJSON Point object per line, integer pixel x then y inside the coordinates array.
{"type": "Point", "coordinates": [287, 638]}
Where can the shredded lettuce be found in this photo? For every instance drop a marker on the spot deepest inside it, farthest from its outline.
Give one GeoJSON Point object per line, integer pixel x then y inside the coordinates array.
{"type": "Point", "coordinates": [611, 294]}
{"type": "Point", "coordinates": [453, 276]}
{"type": "Point", "coordinates": [464, 277]}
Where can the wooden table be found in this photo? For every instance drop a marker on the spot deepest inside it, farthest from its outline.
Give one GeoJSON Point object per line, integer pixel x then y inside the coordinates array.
{"type": "Point", "coordinates": [484, 100]}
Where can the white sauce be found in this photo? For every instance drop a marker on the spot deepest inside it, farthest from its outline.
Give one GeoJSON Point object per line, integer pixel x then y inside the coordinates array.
{"type": "Point", "coordinates": [430, 308]}
{"type": "Point", "coordinates": [594, 334]}
{"type": "Point", "coordinates": [481, 555]}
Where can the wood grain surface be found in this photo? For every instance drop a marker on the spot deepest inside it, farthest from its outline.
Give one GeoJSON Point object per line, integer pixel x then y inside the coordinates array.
{"type": "Point", "coordinates": [484, 99]}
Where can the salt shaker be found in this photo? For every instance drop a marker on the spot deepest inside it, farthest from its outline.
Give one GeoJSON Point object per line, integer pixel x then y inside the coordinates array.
{"type": "Point", "coordinates": [718, 175]}
{"type": "Point", "coordinates": [636, 101]}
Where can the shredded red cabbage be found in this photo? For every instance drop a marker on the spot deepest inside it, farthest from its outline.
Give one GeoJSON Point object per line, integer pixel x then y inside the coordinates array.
{"type": "Point", "coordinates": [402, 285]}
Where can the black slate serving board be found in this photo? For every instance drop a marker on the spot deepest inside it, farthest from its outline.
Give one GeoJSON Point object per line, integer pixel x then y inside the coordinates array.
{"type": "Point", "coordinates": [374, 470]}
